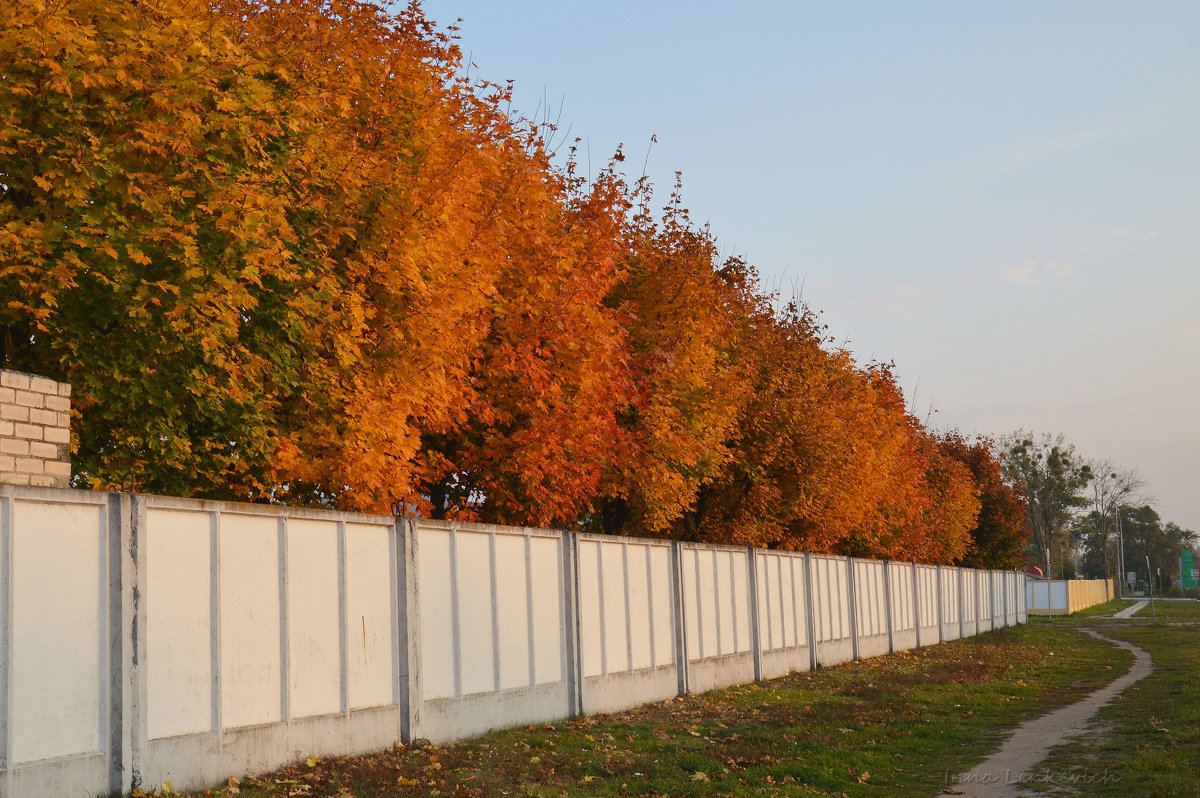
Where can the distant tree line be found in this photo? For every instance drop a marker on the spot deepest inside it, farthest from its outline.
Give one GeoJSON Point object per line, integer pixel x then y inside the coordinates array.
{"type": "Point", "coordinates": [1085, 516]}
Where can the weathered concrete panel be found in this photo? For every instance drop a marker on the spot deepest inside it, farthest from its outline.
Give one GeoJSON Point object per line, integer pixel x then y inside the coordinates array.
{"type": "Point", "coordinates": [474, 580]}
{"type": "Point", "coordinates": [249, 620]}
{"type": "Point", "coordinates": [870, 608]}
{"type": "Point", "coordinates": [314, 618]}
{"type": "Point", "coordinates": [615, 610]}
{"type": "Point", "coordinates": [545, 555]}
{"type": "Point", "coordinates": [59, 588]}
{"type": "Point", "coordinates": [717, 672]}
{"type": "Point", "coordinates": [640, 641]}
{"type": "Point", "coordinates": [590, 634]}
{"type": "Point", "coordinates": [178, 615]}
{"type": "Point", "coordinates": [662, 626]}
{"type": "Point", "coordinates": [512, 612]}
{"type": "Point", "coordinates": [434, 575]}
{"type": "Point", "coordinates": [620, 691]}
{"type": "Point", "coordinates": [448, 719]}
{"type": "Point", "coordinates": [370, 649]}
{"type": "Point", "coordinates": [951, 604]}
{"type": "Point", "coordinates": [193, 762]}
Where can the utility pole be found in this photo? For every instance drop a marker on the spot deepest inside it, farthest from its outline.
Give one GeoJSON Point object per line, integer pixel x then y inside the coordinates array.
{"type": "Point", "coordinates": [1150, 584]}
{"type": "Point", "coordinates": [1121, 541]}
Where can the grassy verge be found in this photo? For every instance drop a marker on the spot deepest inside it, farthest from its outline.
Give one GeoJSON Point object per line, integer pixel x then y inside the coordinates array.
{"type": "Point", "coordinates": [1105, 609]}
{"type": "Point", "coordinates": [899, 726]}
{"type": "Point", "coordinates": [1147, 742]}
{"type": "Point", "coordinates": [1170, 610]}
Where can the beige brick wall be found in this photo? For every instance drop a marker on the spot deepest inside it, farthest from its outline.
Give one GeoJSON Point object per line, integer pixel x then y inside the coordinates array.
{"type": "Point", "coordinates": [35, 430]}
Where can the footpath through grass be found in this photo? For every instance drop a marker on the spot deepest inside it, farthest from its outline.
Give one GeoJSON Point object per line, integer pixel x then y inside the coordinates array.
{"type": "Point", "coordinates": [1147, 742]}
{"type": "Point", "coordinates": [901, 725]}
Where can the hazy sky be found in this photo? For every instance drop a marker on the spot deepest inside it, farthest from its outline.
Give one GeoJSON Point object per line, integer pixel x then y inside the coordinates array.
{"type": "Point", "coordinates": [1002, 198]}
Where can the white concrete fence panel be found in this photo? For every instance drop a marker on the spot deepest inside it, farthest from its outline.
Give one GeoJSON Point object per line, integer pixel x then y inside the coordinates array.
{"type": "Point", "coordinates": [783, 627]}
{"type": "Point", "coordinates": [902, 604]}
{"type": "Point", "coordinates": [871, 630]}
{"type": "Point", "coordinates": [626, 623]}
{"type": "Point", "coordinates": [952, 615]}
{"type": "Point", "coordinates": [146, 639]}
{"type": "Point", "coordinates": [716, 608]}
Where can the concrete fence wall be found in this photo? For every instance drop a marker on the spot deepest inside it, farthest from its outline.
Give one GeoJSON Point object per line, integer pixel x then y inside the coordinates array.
{"type": "Point", "coordinates": [1047, 596]}
{"type": "Point", "coordinates": [146, 639]}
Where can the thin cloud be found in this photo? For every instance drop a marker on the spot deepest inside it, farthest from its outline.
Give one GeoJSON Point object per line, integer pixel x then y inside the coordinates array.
{"type": "Point", "coordinates": [1123, 233]}
{"type": "Point", "coordinates": [1033, 272]}
{"type": "Point", "coordinates": [905, 301]}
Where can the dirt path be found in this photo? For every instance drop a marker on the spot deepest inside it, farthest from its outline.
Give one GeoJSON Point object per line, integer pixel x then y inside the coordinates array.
{"type": "Point", "coordinates": [1130, 610]}
{"type": "Point", "coordinates": [1010, 772]}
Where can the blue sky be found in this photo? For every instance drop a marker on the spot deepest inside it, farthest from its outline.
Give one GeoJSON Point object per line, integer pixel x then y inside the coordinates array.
{"type": "Point", "coordinates": [1002, 198]}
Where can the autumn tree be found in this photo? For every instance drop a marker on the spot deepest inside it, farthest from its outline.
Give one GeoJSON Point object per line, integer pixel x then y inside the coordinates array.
{"type": "Point", "coordinates": [1000, 534]}
{"type": "Point", "coordinates": [293, 252]}
{"type": "Point", "coordinates": [144, 238]}
{"type": "Point", "coordinates": [547, 380]}
{"type": "Point", "coordinates": [684, 314]}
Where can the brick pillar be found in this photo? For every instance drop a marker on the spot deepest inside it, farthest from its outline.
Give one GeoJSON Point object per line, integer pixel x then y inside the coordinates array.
{"type": "Point", "coordinates": [35, 430]}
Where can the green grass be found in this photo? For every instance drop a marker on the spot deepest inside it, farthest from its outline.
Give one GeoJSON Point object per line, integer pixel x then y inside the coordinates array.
{"type": "Point", "coordinates": [900, 725]}
{"type": "Point", "coordinates": [1171, 610]}
{"type": "Point", "coordinates": [1105, 609]}
{"type": "Point", "coordinates": [1146, 743]}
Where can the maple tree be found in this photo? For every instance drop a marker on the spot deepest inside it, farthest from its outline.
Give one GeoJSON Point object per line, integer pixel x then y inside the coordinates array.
{"type": "Point", "coordinates": [142, 232]}
{"type": "Point", "coordinates": [682, 307]}
{"type": "Point", "coordinates": [1000, 535]}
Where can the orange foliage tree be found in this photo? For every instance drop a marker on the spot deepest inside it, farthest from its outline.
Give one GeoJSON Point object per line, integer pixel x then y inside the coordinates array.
{"type": "Point", "coordinates": [290, 251]}
{"type": "Point", "coordinates": [682, 309]}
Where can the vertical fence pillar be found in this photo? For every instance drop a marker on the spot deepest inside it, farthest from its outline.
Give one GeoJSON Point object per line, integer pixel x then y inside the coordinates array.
{"type": "Point", "coordinates": [409, 632]}
{"type": "Point", "coordinates": [962, 610]}
{"type": "Point", "coordinates": [126, 688]}
{"type": "Point", "coordinates": [281, 543]}
{"type": "Point", "coordinates": [809, 615]}
{"type": "Point", "coordinates": [916, 605]}
{"type": "Point", "coordinates": [571, 623]}
{"type": "Point", "coordinates": [853, 607]}
{"type": "Point", "coordinates": [887, 605]}
{"type": "Point", "coordinates": [679, 617]}
{"type": "Point", "coordinates": [752, 585]}
{"type": "Point", "coordinates": [940, 608]}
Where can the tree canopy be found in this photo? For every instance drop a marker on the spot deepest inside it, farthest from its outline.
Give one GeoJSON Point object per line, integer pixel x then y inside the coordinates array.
{"type": "Point", "coordinates": [293, 252]}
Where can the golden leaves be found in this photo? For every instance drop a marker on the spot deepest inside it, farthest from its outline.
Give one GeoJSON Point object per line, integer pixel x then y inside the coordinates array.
{"type": "Point", "coordinates": [294, 254]}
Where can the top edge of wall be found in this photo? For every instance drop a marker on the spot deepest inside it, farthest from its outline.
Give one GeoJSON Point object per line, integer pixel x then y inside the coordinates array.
{"type": "Point", "coordinates": [76, 496]}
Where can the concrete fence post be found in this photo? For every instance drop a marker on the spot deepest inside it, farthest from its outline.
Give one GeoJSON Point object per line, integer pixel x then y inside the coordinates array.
{"type": "Point", "coordinates": [281, 542]}
{"type": "Point", "coordinates": [962, 609]}
{"type": "Point", "coordinates": [571, 623]}
{"type": "Point", "coordinates": [127, 616]}
{"type": "Point", "coordinates": [916, 603]}
{"type": "Point", "coordinates": [809, 616]}
{"type": "Point", "coordinates": [887, 605]}
{"type": "Point", "coordinates": [752, 586]}
{"type": "Point", "coordinates": [940, 608]}
{"type": "Point", "coordinates": [409, 632]}
{"type": "Point", "coordinates": [679, 617]}
{"type": "Point", "coordinates": [853, 607]}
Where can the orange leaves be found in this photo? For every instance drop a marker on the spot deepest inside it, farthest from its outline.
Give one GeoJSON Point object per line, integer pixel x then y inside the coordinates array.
{"type": "Point", "coordinates": [290, 251]}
